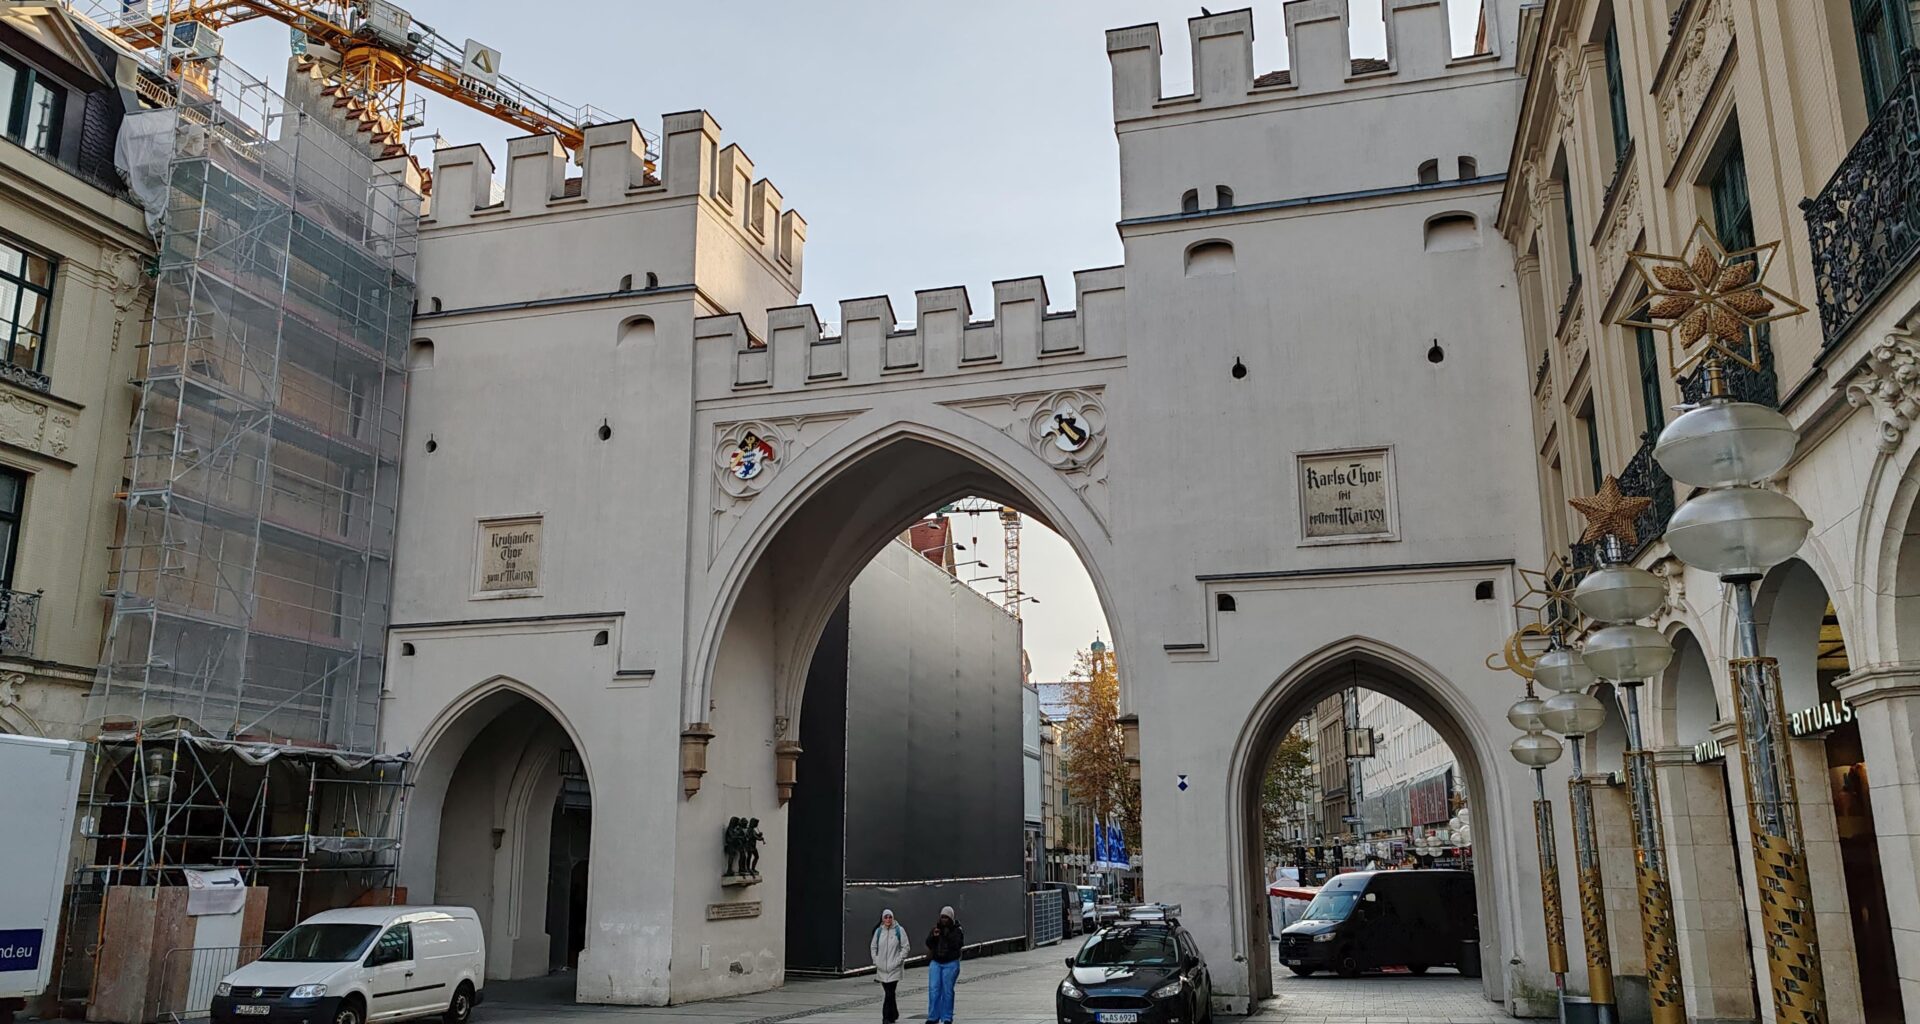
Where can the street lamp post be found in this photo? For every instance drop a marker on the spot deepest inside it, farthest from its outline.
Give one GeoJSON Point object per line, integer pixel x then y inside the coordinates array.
{"type": "Point", "coordinates": [1573, 712]}
{"type": "Point", "coordinates": [1713, 302]}
{"type": "Point", "coordinates": [1629, 654]}
{"type": "Point", "coordinates": [1536, 750]}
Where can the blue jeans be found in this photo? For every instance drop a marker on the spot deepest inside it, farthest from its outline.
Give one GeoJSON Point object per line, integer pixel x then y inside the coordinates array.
{"type": "Point", "coordinates": [940, 981]}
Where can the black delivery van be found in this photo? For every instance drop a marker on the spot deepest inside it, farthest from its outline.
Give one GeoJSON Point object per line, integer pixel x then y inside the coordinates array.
{"type": "Point", "coordinates": [1412, 918]}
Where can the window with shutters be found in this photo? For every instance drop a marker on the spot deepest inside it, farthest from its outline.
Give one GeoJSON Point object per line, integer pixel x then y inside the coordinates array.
{"type": "Point", "coordinates": [1650, 400]}
{"type": "Point", "coordinates": [1617, 95]}
{"type": "Point", "coordinates": [1882, 33]}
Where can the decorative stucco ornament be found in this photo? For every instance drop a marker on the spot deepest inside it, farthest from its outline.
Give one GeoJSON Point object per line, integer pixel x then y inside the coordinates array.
{"type": "Point", "coordinates": [1889, 382]}
{"type": "Point", "coordinates": [1712, 300]}
{"type": "Point", "coordinates": [1068, 430]}
{"type": "Point", "coordinates": [750, 456]}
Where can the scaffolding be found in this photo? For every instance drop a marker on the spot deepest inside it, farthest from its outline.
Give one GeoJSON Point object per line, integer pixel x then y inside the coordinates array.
{"type": "Point", "coordinates": [238, 691]}
{"type": "Point", "coordinates": [251, 593]}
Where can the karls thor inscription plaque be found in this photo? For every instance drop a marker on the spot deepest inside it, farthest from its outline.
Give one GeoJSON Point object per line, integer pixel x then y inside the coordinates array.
{"type": "Point", "coordinates": [1346, 496]}
{"type": "Point", "coordinates": [509, 556]}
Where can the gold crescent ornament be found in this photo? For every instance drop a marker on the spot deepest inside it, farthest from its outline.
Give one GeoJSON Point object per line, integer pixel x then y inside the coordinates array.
{"type": "Point", "coordinates": [1514, 656]}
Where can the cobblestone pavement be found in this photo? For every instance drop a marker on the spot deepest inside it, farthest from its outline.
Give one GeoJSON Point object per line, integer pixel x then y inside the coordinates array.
{"type": "Point", "coordinates": [1013, 989]}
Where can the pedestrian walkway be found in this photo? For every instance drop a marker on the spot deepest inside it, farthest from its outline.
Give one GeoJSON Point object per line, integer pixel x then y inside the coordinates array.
{"type": "Point", "coordinates": [1016, 988]}
{"type": "Point", "coordinates": [1440, 997]}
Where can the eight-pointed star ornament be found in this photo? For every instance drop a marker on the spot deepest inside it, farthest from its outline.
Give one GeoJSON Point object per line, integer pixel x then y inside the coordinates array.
{"type": "Point", "coordinates": [1609, 512]}
{"type": "Point", "coordinates": [1549, 596]}
{"type": "Point", "coordinates": [1711, 300]}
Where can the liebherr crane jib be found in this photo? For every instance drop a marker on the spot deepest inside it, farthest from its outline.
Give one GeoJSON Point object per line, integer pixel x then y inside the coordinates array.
{"type": "Point", "coordinates": [379, 49]}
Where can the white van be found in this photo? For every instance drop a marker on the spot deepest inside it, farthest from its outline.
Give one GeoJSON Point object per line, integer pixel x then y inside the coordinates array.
{"type": "Point", "coordinates": [362, 965]}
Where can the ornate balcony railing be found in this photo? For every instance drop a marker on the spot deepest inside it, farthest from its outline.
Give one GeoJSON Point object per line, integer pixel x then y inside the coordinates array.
{"type": "Point", "coordinates": [1865, 224]}
{"type": "Point", "coordinates": [32, 380]}
{"type": "Point", "coordinates": [1761, 387]}
{"type": "Point", "coordinates": [1642, 478]}
{"type": "Point", "coordinates": [19, 613]}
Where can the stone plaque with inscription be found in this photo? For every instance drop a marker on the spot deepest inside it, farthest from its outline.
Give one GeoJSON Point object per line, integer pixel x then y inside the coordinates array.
{"type": "Point", "coordinates": [1346, 496]}
{"type": "Point", "coordinates": [509, 555]}
{"type": "Point", "coordinates": [725, 911]}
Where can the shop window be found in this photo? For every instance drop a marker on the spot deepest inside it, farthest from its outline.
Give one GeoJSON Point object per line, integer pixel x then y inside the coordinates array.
{"type": "Point", "coordinates": [26, 295]}
{"type": "Point", "coordinates": [35, 107]}
{"type": "Point", "coordinates": [1882, 33]}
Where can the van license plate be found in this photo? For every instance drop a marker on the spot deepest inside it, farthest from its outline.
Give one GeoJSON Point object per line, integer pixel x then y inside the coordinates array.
{"type": "Point", "coordinates": [252, 1010]}
{"type": "Point", "coordinates": [1117, 1018]}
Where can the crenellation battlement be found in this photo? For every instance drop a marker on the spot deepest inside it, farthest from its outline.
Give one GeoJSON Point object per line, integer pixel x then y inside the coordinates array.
{"type": "Point", "coordinates": [614, 172]}
{"type": "Point", "coordinates": [1419, 48]}
{"type": "Point", "coordinates": [798, 354]}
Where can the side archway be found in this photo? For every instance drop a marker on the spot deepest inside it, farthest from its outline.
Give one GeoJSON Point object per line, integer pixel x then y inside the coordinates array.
{"type": "Point", "coordinates": [500, 820]}
{"type": "Point", "coordinates": [1397, 674]}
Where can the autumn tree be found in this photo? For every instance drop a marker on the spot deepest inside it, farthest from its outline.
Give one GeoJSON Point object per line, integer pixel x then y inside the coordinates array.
{"type": "Point", "coordinates": [1287, 790]}
{"type": "Point", "coordinates": [1092, 748]}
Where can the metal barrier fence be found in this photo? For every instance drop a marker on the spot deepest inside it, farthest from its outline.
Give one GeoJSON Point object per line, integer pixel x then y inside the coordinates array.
{"type": "Point", "coordinates": [1045, 916]}
{"type": "Point", "coordinates": [188, 977]}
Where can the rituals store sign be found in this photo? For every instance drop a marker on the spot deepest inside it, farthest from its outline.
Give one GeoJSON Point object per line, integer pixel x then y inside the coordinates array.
{"type": "Point", "coordinates": [1346, 496]}
{"type": "Point", "coordinates": [509, 557]}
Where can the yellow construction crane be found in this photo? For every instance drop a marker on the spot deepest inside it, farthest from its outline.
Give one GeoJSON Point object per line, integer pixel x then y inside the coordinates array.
{"type": "Point", "coordinates": [371, 50]}
{"type": "Point", "coordinates": [1010, 544]}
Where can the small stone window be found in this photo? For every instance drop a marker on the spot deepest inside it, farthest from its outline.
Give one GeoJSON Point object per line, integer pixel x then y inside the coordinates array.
{"type": "Point", "coordinates": [1226, 603]}
{"type": "Point", "coordinates": [1451, 232]}
{"type": "Point", "coordinates": [636, 329]}
{"type": "Point", "coordinates": [1190, 202]}
{"type": "Point", "coordinates": [1210, 258]}
{"type": "Point", "coordinates": [420, 354]}
{"type": "Point", "coordinates": [1430, 172]}
{"type": "Point", "coordinates": [1469, 168]}
{"type": "Point", "coordinates": [1222, 197]}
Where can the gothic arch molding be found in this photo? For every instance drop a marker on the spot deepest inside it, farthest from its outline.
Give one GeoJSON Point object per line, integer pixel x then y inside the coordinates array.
{"type": "Point", "coordinates": [1426, 691]}
{"type": "Point", "coordinates": [977, 460]}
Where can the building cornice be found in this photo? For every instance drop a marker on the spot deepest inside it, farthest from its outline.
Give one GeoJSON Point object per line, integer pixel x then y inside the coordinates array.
{"type": "Point", "coordinates": [1241, 212]}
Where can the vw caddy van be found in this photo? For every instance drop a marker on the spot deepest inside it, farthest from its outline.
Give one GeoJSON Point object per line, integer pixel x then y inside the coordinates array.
{"type": "Point", "coordinates": [362, 965]}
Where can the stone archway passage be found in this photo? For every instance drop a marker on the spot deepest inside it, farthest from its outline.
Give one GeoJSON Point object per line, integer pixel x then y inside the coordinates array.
{"type": "Point", "coordinates": [514, 827]}
{"type": "Point", "coordinates": [1363, 665]}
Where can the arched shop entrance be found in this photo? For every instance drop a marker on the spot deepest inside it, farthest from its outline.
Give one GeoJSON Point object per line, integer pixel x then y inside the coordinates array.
{"type": "Point", "coordinates": [505, 815]}
{"type": "Point", "coordinates": [1342, 695]}
{"type": "Point", "coordinates": [1804, 632]}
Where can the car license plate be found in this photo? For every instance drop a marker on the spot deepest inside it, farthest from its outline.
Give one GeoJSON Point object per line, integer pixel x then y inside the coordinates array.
{"type": "Point", "coordinates": [252, 1010]}
{"type": "Point", "coordinates": [1291, 963]}
{"type": "Point", "coordinates": [1117, 1018]}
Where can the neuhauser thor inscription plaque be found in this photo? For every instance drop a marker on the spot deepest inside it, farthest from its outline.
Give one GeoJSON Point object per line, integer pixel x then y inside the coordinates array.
{"type": "Point", "coordinates": [509, 556]}
{"type": "Point", "coordinates": [1346, 496]}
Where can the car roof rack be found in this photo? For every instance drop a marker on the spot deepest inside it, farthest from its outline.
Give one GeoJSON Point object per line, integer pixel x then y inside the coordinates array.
{"type": "Point", "coordinates": [1168, 912]}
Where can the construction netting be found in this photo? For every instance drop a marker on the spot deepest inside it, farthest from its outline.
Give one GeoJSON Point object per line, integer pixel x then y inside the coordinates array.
{"type": "Point", "coordinates": [253, 572]}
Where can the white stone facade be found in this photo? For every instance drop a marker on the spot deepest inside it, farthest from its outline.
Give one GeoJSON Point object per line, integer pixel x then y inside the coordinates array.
{"type": "Point", "coordinates": [622, 362]}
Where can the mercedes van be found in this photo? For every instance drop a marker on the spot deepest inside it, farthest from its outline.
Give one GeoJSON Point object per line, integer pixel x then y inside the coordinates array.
{"type": "Point", "coordinates": [1362, 920]}
{"type": "Point", "coordinates": [362, 965]}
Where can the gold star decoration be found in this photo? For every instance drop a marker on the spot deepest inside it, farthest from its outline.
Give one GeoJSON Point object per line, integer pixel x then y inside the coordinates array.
{"type": "Point", "coordinates": [1713, 300]}
{"type": "Point", "coordinates": [1610, 513]}
{"type": "Point", "coordinates": [1549, 597]}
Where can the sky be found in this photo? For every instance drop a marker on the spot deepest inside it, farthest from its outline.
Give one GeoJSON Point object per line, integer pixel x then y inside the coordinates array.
{"type": "Point", "coordinates": [927, 145]}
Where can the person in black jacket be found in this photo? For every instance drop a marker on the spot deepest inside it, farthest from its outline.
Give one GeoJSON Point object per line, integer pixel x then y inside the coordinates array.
{"type": "Point", "coordinates": [944, 944]}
